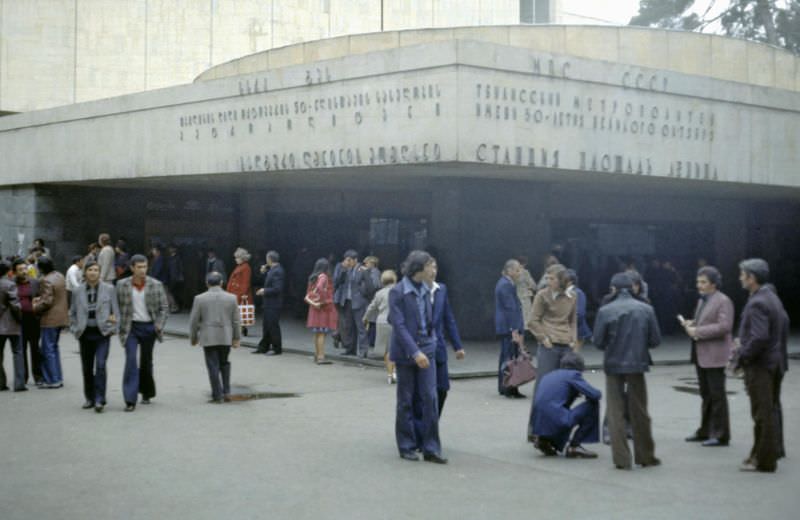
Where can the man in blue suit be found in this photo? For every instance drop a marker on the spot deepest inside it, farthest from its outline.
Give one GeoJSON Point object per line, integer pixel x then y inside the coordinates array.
{"type": "Point", "coordinates": [508, 323]}
{"type": "Point", "coordinates": [412, 347]}
{"type": "Point", "coordinates": [444, 324]}
{"type": "Point", "coordinates": [554, 418]}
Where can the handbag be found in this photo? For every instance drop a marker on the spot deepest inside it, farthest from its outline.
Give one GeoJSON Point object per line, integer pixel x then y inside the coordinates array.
{"type": "Point", "coordinates": [518, 370]}
{"type": "Point", "coordinates": [247, 313]}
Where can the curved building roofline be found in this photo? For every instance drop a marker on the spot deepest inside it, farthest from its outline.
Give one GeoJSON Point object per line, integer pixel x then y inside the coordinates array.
{"type": "Point", "coordinates": [713, 56]}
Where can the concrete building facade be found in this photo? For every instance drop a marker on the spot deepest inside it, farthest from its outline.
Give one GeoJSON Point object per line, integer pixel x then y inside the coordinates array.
{"type": "Point", "coordinates": [477, 143]}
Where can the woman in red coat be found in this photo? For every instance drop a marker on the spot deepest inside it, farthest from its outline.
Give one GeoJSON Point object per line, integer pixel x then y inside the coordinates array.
{"type": "Point", "coordinates": [239, 282]}
{"type": "Point", "coordinates": [322, 315]}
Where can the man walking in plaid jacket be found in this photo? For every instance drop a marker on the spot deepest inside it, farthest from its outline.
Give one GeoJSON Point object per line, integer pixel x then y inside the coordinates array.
{"type": "Point", "coordinates": [143, 309]}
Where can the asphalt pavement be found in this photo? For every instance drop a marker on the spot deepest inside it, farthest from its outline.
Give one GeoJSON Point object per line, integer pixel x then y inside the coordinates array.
{"type": "Point", "coordinates": [319, 444]}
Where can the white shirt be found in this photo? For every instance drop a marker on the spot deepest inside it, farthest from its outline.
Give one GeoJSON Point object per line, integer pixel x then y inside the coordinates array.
{"type": "Point", "coordinates": [139, 306]}
{"type": "Point", "coordinates": [74, 277]}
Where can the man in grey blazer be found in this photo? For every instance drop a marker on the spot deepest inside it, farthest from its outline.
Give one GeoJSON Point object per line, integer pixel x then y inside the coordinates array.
{"type": "Point", "coordinates": [214, 323]}
{"type": "Point", "coordinates": [93, 319]}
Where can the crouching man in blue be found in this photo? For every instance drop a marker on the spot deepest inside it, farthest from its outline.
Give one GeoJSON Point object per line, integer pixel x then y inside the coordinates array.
{"type": "Point", "coordinates": [412, 349]}
{"type": "Point", "coordinates": [553, 415]}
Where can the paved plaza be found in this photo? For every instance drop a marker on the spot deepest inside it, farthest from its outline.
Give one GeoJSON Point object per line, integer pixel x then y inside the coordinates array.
{"type": "Point", "coordinates": [329, 452]}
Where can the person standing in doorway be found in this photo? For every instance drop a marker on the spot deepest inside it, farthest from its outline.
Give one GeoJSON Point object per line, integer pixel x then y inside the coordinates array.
{"type": "Point", "coordinates": [214, 264]}
{"type": "Point", "coordinates": [378, 312]}
{"type": "Point", "coordinates": [625, 330]}
{"type": "Point", "coordinates": [239, 283]}
{"type": "Point", "coordinates": [322, 319]}
{"type": "Point", "coordinates": [174, 265]}
{"type": "Point", "coordinates": [143, 311]}
{"type": "Point", "coordinates": [508, 324]}
{"type": "Point", "coordinates": [343, 288]}
{"type": "Point", "coordinates": [106, 259]}
{"type": "Point", "coordinates": [74, 276]}
{"type": "Point", "coordinates": [93, 317]}
{"type": "Point", "coordinates": [712, 344]}
{"type": "Point", "coordinates": [272, 294]}
{"type": "Point", "coordinates": [214, 323]}
{"type": "Point", "coordinates": [367, 279]}
{"type": "Point", "coordinates": [51, 306]}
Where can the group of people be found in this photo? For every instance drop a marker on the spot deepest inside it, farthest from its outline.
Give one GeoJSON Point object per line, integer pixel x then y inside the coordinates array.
{"type": "Point", "coordinates": [412, 323]}
{"type": "Point", "coordinates": [625, 329]}
{"type": "Point", "coordinates": [135, 308]}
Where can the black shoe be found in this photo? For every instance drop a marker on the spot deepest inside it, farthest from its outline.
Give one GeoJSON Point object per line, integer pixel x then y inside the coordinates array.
{"type": "Point", "coordinates": [87, 405]}
{"type": "Point", "coordinates": [99, 408]}
{"type": "Point", "coordinates": [130, 407]}
{"type": "Point", "coordinates": [4, 389]}
{"type": "Point", "coordinates": [516, 394]}
{"type": "Point", "coordinates": [146, 400]}
{"type": "Point", "coordinates": [259, 351]}
{"type": "Point", "coordinates": [546, 447]}
{"type": "Point", "coordinates": [21, 389]}
{"type": "Point", "coordinates": [349, 353]}
{"type": "Point", "coordinates": [274, 352]}
{"type": "Point", "coordinates": [40, 383]}
{"type": "Point", "coordinates": [409, 455]}
{"type": "Point", "coordinates": [653, 462]}
{"type": "Point", "coordinates": [714, 443]}
{"type": "Point", "coordinates": [579, 452]}
{"type": "Point", "coordinates": [215, 401]}
{"type": "Point", "coordinates": [432, 457]}
{"type": "Point", "coordinates": [695, 438]}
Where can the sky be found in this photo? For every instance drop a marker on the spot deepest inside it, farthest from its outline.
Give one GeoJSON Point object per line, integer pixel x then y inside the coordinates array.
{"type": "Point", "coordinates": [621, 11]}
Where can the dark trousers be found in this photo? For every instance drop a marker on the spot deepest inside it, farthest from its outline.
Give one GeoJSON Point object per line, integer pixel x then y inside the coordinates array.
{"type": "Point", "coordinates": [219, 370]}
{"type": "Point", "coordinates": [714, 423]}
{"type": "Point", "coordinates": [19, 362]}
{"type": "Point", "coordinates": [643, 444]}
{"type": "Point", "coordinates": [586, 416]}
{"type": "Point", "coordinates": [138, 378]}
{"type": "Point", "coordinates": [30, 343]}
{"type": "Point", "coordinates": [761, 384]}
{"type": "Point", "coordinates": [779, 415]}
{"type": "Point", "coordinates": [94, 349]}
{"type": "Point", "coordinates": [441, 397]}
{"type": "Point", "coordinates": [271, 330]}
{"type": "Point", "coordinates": [410, 380]}
{"type": "Point", "coordinates": [508, 349]}
{"type": "Point", "coordinates": [547, 360]}
{"type": "Point", "coordinates": [362, 338]}
{"type": "Point", "coordinates": [348, 333]}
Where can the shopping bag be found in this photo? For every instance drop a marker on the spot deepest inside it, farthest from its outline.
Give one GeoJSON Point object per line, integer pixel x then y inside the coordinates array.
{"type": "Point", "coordinates": [247, 313]}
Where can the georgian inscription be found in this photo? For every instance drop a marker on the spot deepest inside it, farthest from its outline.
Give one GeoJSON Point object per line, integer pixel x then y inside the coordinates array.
{"type": "Point", "coordinates": [320, 114]}
{"type": "Point", "coordinates": [546, 106]}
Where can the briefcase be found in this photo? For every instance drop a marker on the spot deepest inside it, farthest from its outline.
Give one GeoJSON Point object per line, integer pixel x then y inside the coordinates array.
{"type": "Point", "coordinates": [518, 370]}
{"type": "Point", "coordinates": [247, 313]}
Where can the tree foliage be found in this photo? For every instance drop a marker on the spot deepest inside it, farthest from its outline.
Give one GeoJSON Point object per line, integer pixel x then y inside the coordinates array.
{"type": "Point", "coordinates": [769, 21]}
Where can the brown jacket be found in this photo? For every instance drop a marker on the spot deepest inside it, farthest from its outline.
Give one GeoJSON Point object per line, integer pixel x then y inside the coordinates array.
{"type": "Point", "coordinates": [51, 303]}
{"type": "Point", "coordinates": [554, 318]}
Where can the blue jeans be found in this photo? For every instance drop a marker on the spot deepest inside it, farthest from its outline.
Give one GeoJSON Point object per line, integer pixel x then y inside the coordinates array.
{"type": "Point", "coordinates": [413, 380]}
{"type": "Point", "coordinates": [51, 359]}
{"type": "Point", "coordinates": [138, 377]}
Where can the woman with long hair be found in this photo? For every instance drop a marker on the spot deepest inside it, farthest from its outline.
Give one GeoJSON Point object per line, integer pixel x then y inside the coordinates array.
{"type": "Point", "coordinates": [322, 315]}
